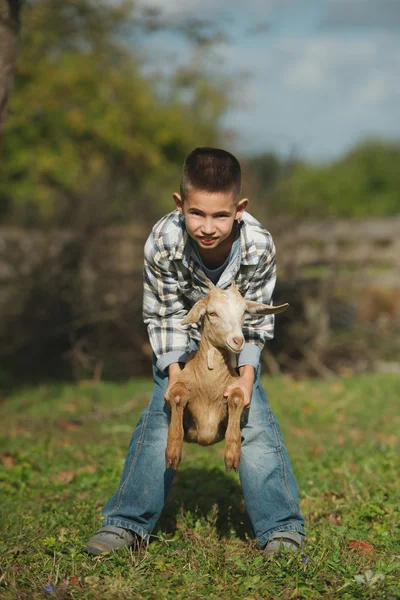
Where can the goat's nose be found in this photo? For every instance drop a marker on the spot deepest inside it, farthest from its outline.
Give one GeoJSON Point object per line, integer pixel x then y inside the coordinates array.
{"type": "Point", "coordinates": [237, 341]}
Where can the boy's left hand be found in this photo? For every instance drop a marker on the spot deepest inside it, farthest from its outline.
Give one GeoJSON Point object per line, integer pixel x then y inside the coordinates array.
{"type": "Point", "coordinates": [245, 383]}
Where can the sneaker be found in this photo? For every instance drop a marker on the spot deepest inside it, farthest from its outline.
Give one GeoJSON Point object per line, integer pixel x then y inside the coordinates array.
{"type": "Point", "coordinates": [109, 538]}
{"type": "Point", "coordinates": [286, 539]}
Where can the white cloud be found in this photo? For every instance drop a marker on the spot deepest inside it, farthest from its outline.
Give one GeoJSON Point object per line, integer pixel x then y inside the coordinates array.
{"type": "Point", "coordinates": [319, 93]}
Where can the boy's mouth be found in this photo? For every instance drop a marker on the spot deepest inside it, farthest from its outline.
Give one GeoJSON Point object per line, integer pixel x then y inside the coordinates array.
{"type": "Point", "coordinates": [207, 241]}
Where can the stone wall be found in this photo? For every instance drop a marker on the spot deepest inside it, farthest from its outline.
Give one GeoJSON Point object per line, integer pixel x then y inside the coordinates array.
{"type": "Point", "coordinates": [59, 284]}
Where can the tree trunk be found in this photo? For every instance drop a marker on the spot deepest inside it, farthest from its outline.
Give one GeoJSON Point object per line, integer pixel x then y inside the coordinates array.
{"type": "Point", "coordinates": [9, 25]}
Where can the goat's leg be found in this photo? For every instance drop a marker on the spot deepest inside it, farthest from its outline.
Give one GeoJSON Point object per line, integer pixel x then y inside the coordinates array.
{"type": "Point", "coordinates": [232, 435]}
{"type": "Point", "coordinates": [178, 397]}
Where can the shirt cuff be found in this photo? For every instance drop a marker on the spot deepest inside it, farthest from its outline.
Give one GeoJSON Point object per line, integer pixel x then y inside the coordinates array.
{"type": "Point", "coordinates": [171, 357]}
{"type": "Point", "coordinates": [250, 355]}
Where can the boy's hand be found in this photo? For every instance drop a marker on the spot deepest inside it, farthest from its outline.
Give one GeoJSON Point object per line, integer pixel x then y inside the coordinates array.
{"type": "Point", "coordinates": [174, 371]}
{"type": "Point", "coordinates": [245, 383]}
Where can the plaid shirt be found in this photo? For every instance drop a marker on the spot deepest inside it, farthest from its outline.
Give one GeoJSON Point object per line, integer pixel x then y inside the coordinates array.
{"type": "Point", "coordinates": [174, 281]}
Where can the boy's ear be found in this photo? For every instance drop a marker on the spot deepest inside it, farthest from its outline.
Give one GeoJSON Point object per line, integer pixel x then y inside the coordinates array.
{"type": "Point", "coordinates": [178, 202]}
{"type": "Point", "coordinates": [196, 312]}
{"type": "Point", "coordinates": [241, 207]}
{"type": "Point", "coordinates": [256, 308]}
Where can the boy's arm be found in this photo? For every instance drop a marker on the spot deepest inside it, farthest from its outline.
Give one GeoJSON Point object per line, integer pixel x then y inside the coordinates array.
{"type": "Point", "coordinates": [244, 382]}
{"type": "Point", "coordinates": [258, 329]}
{"type": "Point", "coordinates": [163, 309]}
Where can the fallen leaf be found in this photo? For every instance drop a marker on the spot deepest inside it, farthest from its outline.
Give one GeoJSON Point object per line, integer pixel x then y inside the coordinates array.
{"type": "Point", "coordinates": [82, 495]}
{"type": "Point", "coordinates": [335, 519]}
{"type": "Point", "coordinates": [363, 547]}
{"type": "Point", "coordinates": [63, 443]}
{"type": "Point", "coordinates": [70, 407]}
{"type": "Point", "coordinates": [64, 477]}
{"type": "Point", "coordinates": [89, 469]}
{"type": "Point", "coordinates": [353, 467]}
{"type": "Point", "coordinates": [331, 495]}
{"type": "Point", "coordinates": [338, 470]}
{"type": "Point", "coordinates": [356, 434]}
{"type": "Point", "coordinates": [7, 459]}
{"type": "Point", "coordinates": [336, 387]}
{"type": "Point", "coordinates": [92, 580]}
{"type": "Point", "coordinates": [16, 432]}
{"type": "Point", "coordinates": [74, 580]}
{"type": "Point", "coordinates": [68, 424]}
{"type": "Point", "coordinates": [306, 502]}
{"type": "Point", "coordinates": [64, 496]}
{"type": "Point", "coordinates": [301, 432]}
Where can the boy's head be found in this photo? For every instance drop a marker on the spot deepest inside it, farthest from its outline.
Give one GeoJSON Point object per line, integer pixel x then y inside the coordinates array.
{"type": "Point", "coordinates": [209, 196]}
{"type": "Point", "coordinates": [211, 170]}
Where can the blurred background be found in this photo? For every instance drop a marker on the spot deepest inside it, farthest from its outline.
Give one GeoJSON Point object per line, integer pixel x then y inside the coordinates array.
{"type": "Point", "coordinates": [100, 101]}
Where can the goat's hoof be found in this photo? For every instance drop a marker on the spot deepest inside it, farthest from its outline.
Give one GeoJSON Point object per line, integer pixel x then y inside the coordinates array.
{"type": "Point", "coordinates": [172, 460]}
{"type": "Point", "coordinates": [232, 460]}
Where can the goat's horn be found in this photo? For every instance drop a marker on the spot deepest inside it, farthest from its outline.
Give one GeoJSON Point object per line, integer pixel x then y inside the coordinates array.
{"type": "Point", "coordinates": [209, 283]}
{"type": "Point", "coordinates": [233, 284]}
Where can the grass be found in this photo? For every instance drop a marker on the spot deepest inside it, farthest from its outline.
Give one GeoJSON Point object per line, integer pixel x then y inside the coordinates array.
{"type": "Point", "coordinates": [62, 451]}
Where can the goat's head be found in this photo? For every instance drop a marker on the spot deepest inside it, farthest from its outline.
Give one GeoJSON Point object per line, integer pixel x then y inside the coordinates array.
{"type": "Point", "coordinates": [222, 313]}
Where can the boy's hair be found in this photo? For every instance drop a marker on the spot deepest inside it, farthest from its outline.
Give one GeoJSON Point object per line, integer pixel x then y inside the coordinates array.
{"type": "Point", "coordinates": [211, 170]}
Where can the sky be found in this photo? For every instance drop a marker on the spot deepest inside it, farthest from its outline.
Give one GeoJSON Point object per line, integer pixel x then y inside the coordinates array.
{"type": "Point", "coordinates": [313, 77]}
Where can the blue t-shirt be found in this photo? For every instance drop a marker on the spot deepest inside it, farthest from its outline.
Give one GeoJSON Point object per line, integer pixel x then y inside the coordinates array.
{"type": "Point", "coordinates": [215, 274]}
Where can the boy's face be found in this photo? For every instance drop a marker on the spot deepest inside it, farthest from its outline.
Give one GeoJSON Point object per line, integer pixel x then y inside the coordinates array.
{"type": "Point", "coordinates": [209, 217]}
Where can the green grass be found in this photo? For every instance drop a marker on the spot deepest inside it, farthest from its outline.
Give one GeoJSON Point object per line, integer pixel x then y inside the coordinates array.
{"type": "Point", "coordinates": [62, 451]}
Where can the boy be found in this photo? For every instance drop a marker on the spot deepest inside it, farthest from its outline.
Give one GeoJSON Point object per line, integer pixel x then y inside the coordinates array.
{"type": "Point", "coordinates": [209, 234]}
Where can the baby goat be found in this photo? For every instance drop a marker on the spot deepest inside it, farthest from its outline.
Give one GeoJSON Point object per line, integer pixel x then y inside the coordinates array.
{"type": "Point", "coordinates": [199, 411]}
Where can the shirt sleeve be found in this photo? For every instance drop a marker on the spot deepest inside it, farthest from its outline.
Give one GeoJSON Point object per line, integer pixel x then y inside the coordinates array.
{"type": "Point", "coordinates": [163, 308]}
{"type": "Point", "coordinates": [258, 328]}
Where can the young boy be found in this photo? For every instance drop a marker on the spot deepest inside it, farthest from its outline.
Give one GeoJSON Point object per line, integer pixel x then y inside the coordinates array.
{"type": "Point", "coordinates": [209, 234]}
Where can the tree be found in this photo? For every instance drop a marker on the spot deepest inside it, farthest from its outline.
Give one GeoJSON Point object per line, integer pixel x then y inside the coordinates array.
{"type": "Point", "coordinates": [363, 183]}
{"type": "Point", "coordinates": [9, 26]}
{"type": "Point", "coordinates": [89, 139]}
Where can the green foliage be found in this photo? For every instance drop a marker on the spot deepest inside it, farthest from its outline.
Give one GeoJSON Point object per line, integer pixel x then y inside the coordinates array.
{"type": "Point", "coordinates": [88, 138]}
{"type": "Point", "coordinates": [63, 451]}
{"type": "Point", "coordinates": [365, 183]}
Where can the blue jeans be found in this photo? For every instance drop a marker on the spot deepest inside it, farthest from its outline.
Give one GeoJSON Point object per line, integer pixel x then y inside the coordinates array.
{"type": "Point", "coordinates": [268, 484]}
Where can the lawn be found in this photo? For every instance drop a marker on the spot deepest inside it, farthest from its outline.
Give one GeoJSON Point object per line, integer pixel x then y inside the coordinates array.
{"type": "Point", "coordinates": [62, 451]}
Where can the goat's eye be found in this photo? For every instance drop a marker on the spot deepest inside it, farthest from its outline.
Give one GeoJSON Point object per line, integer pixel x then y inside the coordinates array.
{"type": "Point", "coordinates": [212, 314]}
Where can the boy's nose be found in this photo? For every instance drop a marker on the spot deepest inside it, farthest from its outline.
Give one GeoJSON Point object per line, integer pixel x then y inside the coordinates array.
{"type": "Point", "coordinates": [208, 228]}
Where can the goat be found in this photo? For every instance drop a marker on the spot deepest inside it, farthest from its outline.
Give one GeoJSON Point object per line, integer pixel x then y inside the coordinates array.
{"type": "Point", "coordinates": [199, 411]}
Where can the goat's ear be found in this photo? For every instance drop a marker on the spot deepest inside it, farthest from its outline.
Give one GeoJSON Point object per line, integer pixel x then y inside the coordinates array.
{"type": "Point", "coordinates": [256, 308]}
{"type": "Point", "coordinates": [233, 284]}
{"type": "Point", "coordinates": [197, 311]}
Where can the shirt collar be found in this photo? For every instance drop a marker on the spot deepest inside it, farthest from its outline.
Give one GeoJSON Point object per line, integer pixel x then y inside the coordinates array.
{"type": "Point", "coordinates": [248, 247]}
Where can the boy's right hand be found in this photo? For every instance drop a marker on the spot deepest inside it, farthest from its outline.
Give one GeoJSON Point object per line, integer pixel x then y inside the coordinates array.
{"type": "Point", "coordinates": [174, 370]}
